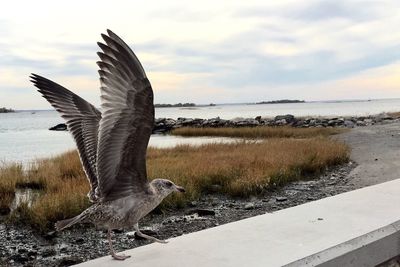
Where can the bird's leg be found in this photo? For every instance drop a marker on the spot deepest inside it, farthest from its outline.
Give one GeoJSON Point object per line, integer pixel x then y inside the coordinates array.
{"type": "Point", "coordinates": [136, 226]}
{"type": "Point", "coordinates": [120, 257]}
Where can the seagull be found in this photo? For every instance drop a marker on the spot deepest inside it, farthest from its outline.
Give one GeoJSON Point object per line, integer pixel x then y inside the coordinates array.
{"type": "Point", "coordinates": [112, 144]}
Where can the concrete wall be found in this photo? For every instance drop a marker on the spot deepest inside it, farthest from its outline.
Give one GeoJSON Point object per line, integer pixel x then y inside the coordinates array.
{"type": "Point", "coordinates": [358, 228]}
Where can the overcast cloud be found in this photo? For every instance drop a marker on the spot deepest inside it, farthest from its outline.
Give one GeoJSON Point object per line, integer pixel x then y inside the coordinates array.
{"type": "Point", "coordinates": [207, 51]}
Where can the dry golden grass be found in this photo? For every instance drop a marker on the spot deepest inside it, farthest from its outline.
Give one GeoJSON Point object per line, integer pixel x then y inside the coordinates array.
{"type": "Point", "coordinates": [239, 169]}
{"type": "Point", "coordinates": [394, 114]}
{"type": "Point", "coordinates": [10, 175]}
{"type": "Point", "coordinates": [258, 132]}
{"type": "Point", "coordinates": [244, 168]}
{"type": "Point", "coordinates": [62, 181]}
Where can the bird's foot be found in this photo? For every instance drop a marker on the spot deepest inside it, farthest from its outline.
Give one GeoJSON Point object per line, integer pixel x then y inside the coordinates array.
{"type": "Point", "coordinates": [152, 238]}
{"type": "Point", "coordinates": [120, 257]}
{"type": "Point", "coordinates": [160, 241]}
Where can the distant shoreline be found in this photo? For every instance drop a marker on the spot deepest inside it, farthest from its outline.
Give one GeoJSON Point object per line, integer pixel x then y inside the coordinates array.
{"type": "Point", "coordinates": [282, 101]}
{"type": "Point", "coordinates": [179, 105]}
{"type": "Point", "coordinates": [6, 110]}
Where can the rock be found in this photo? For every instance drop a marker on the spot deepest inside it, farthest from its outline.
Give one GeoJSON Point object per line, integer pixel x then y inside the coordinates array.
{"type": "Point", "coordinates": [281, 122]}
{"type": "Point", "coordinates": [361, 123]}
{"type": "Point", "coordinates": [19, 237]}
{"type": "Point", "coordinates": [79, 240]}
{"type": "Point", "coordinates": [161, 128]}
{"type": "Point", "coordinates": [242, 122]}
{"type": "Point", "coordinates": [287, 117]}
{"type": "Point", "coordinates": [203, 212]}
{"type": "Point", "coordinates": [383, 116]}
{"type": "Point", "coordinates": [349, 124]}
{"type": "Point", "coordinates": [20, 258]}
{"type": "Point", "coordinates": [68, 261]}
{"type": "Point", "coordinates": [249, 206]}
{"type": "Point", "coordinates": [193, 204]}
{"type": "Point", "coordinates": [332, 122]}
{"type": "Point", "coordinates": [32, 252]}
{"type": "Point", "coordinates": [160, 120]}
{"type": "Point", "coordinates": [187, 122]}
{"type": "Point", "coordinates": [59, 127]}
{"type": "Point", "coordinates": [281, 199]}
{"type": "Point", "coordinates": [22, 250]}
{"type": "Point", "coordinates": [48, 252]}
{"type": "Point", "coordinates": [50, 235]}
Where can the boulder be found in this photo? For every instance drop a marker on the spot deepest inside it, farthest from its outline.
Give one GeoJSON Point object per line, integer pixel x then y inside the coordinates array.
{"type": "Point", "coordinates": [349, 124]}
{"type": "Point", "coordinates": [361, 123]}
{"type": "Point", "coordinates": [288, 118]}
{"type": "Point", "coordinates": [202, 212]}
{"type": "Point", "coordinates": [59, 127]}
{"type": "Point", "coordinates": [280, 122]}
{"type": "Point", "coordinates": [250, 206]}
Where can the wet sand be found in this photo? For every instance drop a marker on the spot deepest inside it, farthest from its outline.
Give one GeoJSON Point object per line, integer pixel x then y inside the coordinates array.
{"type": "Point", "coordinates": [376, 149]}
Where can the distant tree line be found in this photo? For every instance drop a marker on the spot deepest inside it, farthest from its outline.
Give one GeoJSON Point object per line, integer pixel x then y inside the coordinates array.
{"type": "Point", "coordinates": [283, 101]}
{"type": "Point", "coordinates": [175, 105]}
{"type": "Point", "coordinates": [6, 110]}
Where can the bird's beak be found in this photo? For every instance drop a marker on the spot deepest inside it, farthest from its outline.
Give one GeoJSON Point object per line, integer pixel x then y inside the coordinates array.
{"type": "Point", "coordinates": [180, 189]}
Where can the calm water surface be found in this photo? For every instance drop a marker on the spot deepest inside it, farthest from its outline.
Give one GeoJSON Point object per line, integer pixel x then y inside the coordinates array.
{"type": "Point", "coordinates": [24, 136]}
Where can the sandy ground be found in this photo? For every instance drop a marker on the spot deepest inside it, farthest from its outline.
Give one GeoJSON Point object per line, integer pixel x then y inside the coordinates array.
{"type": "Point", "coordinates": [376, 150]}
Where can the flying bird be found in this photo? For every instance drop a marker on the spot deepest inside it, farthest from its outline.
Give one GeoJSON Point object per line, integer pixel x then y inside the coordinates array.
{"type": "Point", "coordinates": [112, 144]}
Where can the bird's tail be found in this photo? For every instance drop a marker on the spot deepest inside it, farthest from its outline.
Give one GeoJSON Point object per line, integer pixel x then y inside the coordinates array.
{"type": "Point", "coordinates": [61, 225]}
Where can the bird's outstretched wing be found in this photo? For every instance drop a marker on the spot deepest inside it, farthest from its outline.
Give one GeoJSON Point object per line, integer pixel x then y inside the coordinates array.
{"type": "Point", "coordinates": [126, 123]}
{"type": "Point", "coordinates": [82, 120]}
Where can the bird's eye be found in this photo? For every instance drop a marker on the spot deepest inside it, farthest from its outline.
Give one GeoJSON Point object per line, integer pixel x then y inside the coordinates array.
{"type": "Point", "coordinates": [168, 184]}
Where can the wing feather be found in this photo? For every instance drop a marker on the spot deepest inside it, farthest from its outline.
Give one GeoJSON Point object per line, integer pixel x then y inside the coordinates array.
{"type": "Point", "coordinates": [82, 120]}
{"type": "Point", "coordinates": [126, 123]}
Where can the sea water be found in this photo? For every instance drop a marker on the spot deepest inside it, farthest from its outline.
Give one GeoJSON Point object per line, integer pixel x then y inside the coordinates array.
{"type": "Point", "coordinates": [24, 135]}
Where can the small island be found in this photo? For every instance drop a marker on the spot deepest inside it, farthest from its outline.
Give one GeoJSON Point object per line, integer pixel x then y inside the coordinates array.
{"type": "Point", "coordinates": [6, 110]}
{"type": "Point", "coordinates": [283, 101]}
{"type": "Point", "coordinates": [179, 105]}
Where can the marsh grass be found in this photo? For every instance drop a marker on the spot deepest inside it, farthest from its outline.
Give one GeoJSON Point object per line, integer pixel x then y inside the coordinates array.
{"type": "Point", "coordinates": [394, 114]}
{"type": "Point", "coordinates": [10, 175]}
{"type": "Point", "coordinates": [260, 132]}
{"type": "Point", "coordinates": [62, 182]}
{"type": "Point", "coordinates": [243, 168]}
{"type": "Point", "coordinates": [238, 169]}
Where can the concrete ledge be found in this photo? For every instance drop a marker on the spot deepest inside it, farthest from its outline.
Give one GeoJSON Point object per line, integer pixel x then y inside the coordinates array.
{"type": "Point", "coordinates": [358, 228]}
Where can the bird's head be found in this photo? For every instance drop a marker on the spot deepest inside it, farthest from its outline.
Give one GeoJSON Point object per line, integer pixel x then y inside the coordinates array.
{"type": "Point", "coordinates": [165, 187]}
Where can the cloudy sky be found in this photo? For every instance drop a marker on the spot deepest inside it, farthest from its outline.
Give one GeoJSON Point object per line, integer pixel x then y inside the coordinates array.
{"type": "Point", "coordinates": [207, 51]}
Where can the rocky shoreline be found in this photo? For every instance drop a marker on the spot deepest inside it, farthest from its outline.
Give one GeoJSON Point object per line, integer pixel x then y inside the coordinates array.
{"type": "Point", "coordinates": [21, 246]}
{"type": "Point", "coordinates": [164, 125]}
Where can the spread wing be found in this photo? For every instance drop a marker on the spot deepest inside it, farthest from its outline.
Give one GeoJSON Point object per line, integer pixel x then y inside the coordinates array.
{"type": "Point", "coordinates": [126, 123]}
{"type": "Point", "coordinates": [82, 120]}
